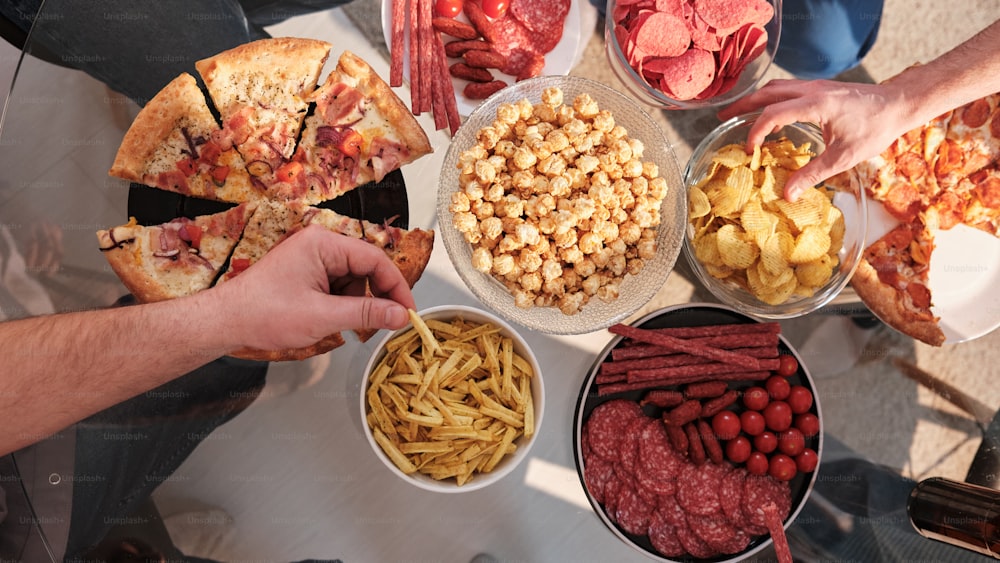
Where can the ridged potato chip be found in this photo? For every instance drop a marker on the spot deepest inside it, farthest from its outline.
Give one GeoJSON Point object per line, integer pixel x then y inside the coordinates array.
{"type": "Point", "coordinates": [811, 244]}
{"type": "Point", "coordinates": [775, 252]}
{"type": "Point", "coordinates": [731, 156]}
{"type": "Point", "coordinates": [735, 250]}
{"type": "Point", "coordinates": [815, 273]}
{"type": "Point", "coordinates": [698, 203]}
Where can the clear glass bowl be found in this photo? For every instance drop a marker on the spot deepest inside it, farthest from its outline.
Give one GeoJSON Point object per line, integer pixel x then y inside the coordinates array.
{"type": "Point", "coordinates": [848, 196]}
{"type": "Point", "coordinates": [654, 96]}
{"type": "Point", "coordinates": [635, 291]}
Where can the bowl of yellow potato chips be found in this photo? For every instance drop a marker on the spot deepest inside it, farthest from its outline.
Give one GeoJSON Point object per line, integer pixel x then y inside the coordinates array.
{"type": "Point", "coordinates": [453, 401]}
{"type": "Point", "coordinates": [755, 250]}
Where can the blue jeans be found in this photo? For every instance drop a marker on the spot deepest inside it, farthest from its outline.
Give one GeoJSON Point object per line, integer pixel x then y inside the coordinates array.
{"type": "Point", "coordinates": [823, 38]}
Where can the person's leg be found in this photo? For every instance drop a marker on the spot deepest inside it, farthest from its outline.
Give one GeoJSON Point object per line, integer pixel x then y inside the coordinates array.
{"type": "Point", "coordinates": [823, 38]}
{"type": "Point", "coordinates": [124, 453]}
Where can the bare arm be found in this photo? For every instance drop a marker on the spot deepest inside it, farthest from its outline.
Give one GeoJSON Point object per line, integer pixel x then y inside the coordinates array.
{"type": "Point", "coordinates": [859, 121]}
{"type": "Point", "coordinates": [60, 369]}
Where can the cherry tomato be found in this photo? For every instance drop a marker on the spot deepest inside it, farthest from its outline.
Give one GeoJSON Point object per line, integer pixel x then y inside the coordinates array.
{"type": "Point", "coordinates": [494, 8]}
{"type": "Point", "coordinates": [765, 442]}
{"type": "Point", "coordinates": [447, 8]}
{"type": "Point", "coordinates": [808, 423]}
{"type": "Point", "coordinates": [738, 449]}
{"type": "Point", "coordinates": [757, 463]}
{"type": "Point", "coordinates": [726, 425]}
{"type": "Point", "coordinates": [755, 398]}
{"type": "Point", "coordinates": [800, 399]}
{"type": "Point", "coordinates": [782, 467]}
{"type": "Point", "coordinates": [807, 460]}
{"type": "Point", "coordinates": [778, 416]}
{"type": "Point", "coordinates": [787, 365]}
{"type": "Point", "coordinates": [752, 422]}
{"type": "Point", "coordinates": [791, 442]}
{"type": "Point", "coordinates": [777, 387]}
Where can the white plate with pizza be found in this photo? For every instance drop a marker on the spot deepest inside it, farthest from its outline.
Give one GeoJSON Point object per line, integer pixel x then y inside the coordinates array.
{"type": "Point", "coordinates": [963, 276]}
{"type": "Point", "coordinates": [558, 61]}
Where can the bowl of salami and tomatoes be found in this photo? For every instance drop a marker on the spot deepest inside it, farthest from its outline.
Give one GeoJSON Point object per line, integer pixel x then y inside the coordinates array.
{"type": "Point", "coordinates": [679, 453]}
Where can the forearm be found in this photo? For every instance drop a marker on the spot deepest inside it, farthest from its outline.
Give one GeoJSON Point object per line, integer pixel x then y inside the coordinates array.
{"type": "Point", "coordinates": [966, 73]}
{"type": "Point", "coordinates": [60, 369]}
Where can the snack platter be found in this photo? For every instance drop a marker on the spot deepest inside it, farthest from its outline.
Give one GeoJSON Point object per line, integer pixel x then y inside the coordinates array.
{"type": "Point", "coordinates": [690, 315]}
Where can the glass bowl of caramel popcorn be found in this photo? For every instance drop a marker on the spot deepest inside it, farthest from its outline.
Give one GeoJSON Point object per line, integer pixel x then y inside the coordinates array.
{"type": "Point", "coordinates": [561, 205]}
{"type": "Point", "coordinates": [749, 246]}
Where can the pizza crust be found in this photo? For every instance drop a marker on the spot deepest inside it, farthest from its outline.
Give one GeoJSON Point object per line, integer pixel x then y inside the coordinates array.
{"type": "Point", "coordinates": [881, 299]}
{"type": "Point", "coordinates": [292, 354]}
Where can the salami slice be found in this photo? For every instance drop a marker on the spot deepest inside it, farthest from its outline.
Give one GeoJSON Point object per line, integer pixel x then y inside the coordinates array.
{"type": "Point", "coordinates": [596, 473]}
{"type": "Point", "coordinates": [633, 512]}
{"type": "Point", "coordinates": [612, 490]}
{"type": "Point", "coordinates": [606, 424]}
{"type": "Point", "coordinates": [541, 16]}
{"type": "Point", "coordinates": [758, 491]}
{"type": "Point", "coordinates": [629, 452]}
{"type": "Point", "coordinates": [714, 530]}
{"type": "Point", "coordinates": [731, 496]}
{"type": "Point", "coordinates": [663, 537]}
{"type": "Point", "coordinates": [698, 488]}
{"type": "Point", "coordinates": [694, 544]}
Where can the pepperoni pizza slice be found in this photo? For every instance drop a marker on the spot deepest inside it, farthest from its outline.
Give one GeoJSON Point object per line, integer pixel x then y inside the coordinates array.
{"type": "Point", "coordinates": [972, 141]}
{"type": "Point", "coordinates": [170, 146]}
{"type": "Point", "coordinates": [359, 132]}
{"type": "Point", "coordinates": [892, 281]}
{"type": "Point", "coordinates": [261, 92]}
{"type": "Point", "coordinates": [177, 258]}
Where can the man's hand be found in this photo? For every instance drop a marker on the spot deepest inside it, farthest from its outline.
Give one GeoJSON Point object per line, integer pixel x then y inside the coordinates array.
{"type": "Point", "coordinates": [858, 121]}
{"type": "Point", "coordinates": [310, 286]}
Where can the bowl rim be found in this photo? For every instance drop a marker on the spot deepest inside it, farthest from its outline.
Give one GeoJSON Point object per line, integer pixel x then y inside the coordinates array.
{"type": "Point", "coordinates": [506, 466]}
{"type": "Point", "coordinates": [655, 97]}
{"type": "Point", "coordinates": [552, 321]}
{"type": "Point", "coordinates": [585, 391]}
{"type": "Point", "coordinates": [805, 305]}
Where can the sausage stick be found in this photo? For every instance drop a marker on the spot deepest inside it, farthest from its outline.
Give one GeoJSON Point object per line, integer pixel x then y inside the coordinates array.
{"type": "Point", "coordinates": [397, 38]}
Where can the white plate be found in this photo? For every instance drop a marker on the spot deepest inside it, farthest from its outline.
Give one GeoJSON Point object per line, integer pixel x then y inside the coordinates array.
{"type": "Point", "coordinates": [558, 61]}
{"type": "Point", "coordinates": [964, 275]}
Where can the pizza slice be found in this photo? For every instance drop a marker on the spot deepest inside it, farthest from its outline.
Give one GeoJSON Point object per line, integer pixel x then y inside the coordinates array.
{"type": "Point", "coordinates": [972, 141]}
{"type": "Point", "coordinates": [174, 259]}
{"type": "Point", "coordinates": [170, 146]}
{"type": "Point", "coordinates": [973, 201]}
{"type": "Point", "coordinates": [892, 280]}
{"type": "Point", "coordinates": [359, 132]}
{"type": "Point", "coordinates": [902, 177]}
{"type": "Point", "coordinates": [261, 91]}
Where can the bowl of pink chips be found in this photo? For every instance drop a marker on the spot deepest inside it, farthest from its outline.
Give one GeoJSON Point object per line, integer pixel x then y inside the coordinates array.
{"type": "Point", "coordinates": [688, 54]}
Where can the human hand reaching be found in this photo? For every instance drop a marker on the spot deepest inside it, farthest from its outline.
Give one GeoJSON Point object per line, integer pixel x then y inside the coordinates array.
{"type": "Point", "coordinates": [858, 122]}
{"type": "Point", "coordinates": [312, 285]}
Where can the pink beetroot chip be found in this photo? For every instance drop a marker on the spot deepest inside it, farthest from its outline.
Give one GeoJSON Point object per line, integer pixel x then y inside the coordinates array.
{"type": "Point", "coordinates": [685, 76]}
{"type": "Point", "coordinates": [703, 35]}
{"type": "Point", "coordinates": [726, 16]}
{"type": "Point", "coordinates": [751, 40]}
{"type": "Point", "coordinates": [662, 35]}
{"type": "Point", "coordinates": [675, 7]}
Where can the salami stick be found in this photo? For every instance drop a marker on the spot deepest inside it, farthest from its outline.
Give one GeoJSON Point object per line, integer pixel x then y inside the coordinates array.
{"type": "Point", "coordinates": [680, 345]}
{"type": "Point", "coordinates": [719, 330]}
{"type": "Point", "coordinates": [703, 370]}
{"type": "Point", "coordinates": [728, 341]}
{"type": "Point", "coordinates": [415, 78]}
{"type": "Point", "coordinates": [396, 38]}
{"type": "Point", "coordinates": [623, 387]}
{"type": "Point", "coordinates": [450, 103]}
{"type": "Point", "coordinates": [426, 33]}
{"type": "Point", "coordinates": [438, 78]}
{"type": "Point", "coordinates": [624, 365]}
